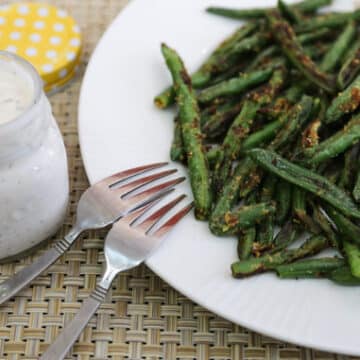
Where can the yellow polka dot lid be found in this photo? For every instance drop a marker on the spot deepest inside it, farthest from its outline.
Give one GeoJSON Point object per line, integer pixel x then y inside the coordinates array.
{"type": "Point", "coordinates": [44, 35]}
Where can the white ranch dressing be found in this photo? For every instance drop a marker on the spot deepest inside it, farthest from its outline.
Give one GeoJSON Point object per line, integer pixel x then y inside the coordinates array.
{"type": "Point", "coordinates": [16, 91]}
{"type": "Point", "coordinates": [33, 166]}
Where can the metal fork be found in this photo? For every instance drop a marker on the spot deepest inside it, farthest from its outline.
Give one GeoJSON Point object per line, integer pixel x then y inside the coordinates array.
{"type": "Point", "coordinates": [127, 245]}
{"type": "Point", "coordinates": [100, 205]}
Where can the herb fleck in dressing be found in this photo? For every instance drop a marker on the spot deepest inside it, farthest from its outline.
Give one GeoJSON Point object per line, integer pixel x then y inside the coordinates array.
{"type": "Point", "coordinates": [16, 91]}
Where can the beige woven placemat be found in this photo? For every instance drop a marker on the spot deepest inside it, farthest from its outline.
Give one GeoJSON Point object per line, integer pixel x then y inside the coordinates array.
{"type": "Point", "coordinates": [143, 318]}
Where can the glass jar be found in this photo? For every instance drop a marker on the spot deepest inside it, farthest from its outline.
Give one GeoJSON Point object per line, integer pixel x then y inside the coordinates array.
{"type": "Point", "coordinates": [34, 186]}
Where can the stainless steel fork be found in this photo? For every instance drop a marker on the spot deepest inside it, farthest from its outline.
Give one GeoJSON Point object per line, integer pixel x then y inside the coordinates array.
{"type": "Point", "coordinates": [100, 205]}
{"type": "Point", "coordinates": [127, 245]}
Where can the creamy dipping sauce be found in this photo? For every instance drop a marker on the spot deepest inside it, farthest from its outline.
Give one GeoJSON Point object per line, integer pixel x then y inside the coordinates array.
{"type": "Point", "coordinates": [16, 91]}
{"type": "Point", "coordinates": [34, 187]}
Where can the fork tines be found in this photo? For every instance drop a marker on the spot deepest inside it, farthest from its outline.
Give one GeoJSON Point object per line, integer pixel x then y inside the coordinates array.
{"type": "Point", "coordinates": [127, 189]}
{"type": "Point", "coordinates": [148, 224]}
{"type": "Point", "coordinates": [127, 174]}
{"type": "Point", "coordinates": [152, 193]}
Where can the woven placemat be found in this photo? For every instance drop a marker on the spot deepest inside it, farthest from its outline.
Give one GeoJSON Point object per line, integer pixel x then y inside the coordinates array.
{"type": "Point", "coordinates": [143, 318]}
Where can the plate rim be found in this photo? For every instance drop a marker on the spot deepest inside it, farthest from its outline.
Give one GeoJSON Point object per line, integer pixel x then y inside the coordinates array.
{"type": "Point", "coordinates": [339, 350]}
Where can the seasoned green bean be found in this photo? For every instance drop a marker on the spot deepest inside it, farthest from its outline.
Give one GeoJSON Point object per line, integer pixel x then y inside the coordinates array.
{"type": "Point", "coordinates": [352, 252]}
{"type": "Point", "coordinates": [307, 6]}
{"type": "Point", "coordinates": [312, 246]}
{"type": "Point", "coordinates": [249, 45]}
{"type": "Point", "coordinates": [345, 227]}
{"type": "Point", "coordinates": [241, 126]}
{"type": "Point", "coordinates": [337, 50]}
{"type": "Point", "coordinates": [306, 179]}
{"type": "Point", "coordinates": [212, 156]}
{"type": "Point", "coordinates": [266, 56]}
{"type": "Point", "coordinates": [290, 12]}
{"type": "Point", "coordinates": [310, 136]}
{"type": "Point", "coordinates": [242, 14]}
{"type": "Point", "coordinates": [286, 236]}
{"type": "Point", "coordinates": [325, 225]}
{"type": "Point", "coordinates": [244, 217]}
{"type": "Point", "coordinates": [232, 142]}
{"type": "Point", "coordinates": [217, 123]}
{"type": "Point", "coordinates": [165, 99]}
{"type": "Point", "coordinates": [294, 93]}
{"type": "Point", "coordinates": [332, 20]}
{"type": "Point", "coordinates": [350, 68]}
{"type": "Point", "coordinates": [263, 58]}
{"type": "Point", "coordinates": [343, 276]}
{"type": "Point", "coordinates": [347, 177]}
{"type": "Point", "coordinates": [299, 207]}
{"type": "Point", "coordinates": [229, 194]}
{"type": "Point", "coordinates": [296, 118]}
{"type": "Point", "coordinates": [189, 116]}
{"type": "Point", "coordinates": [203, 75]}
{"type": "Point", "coordinates": [294, 51]}
{"type": "Point", "coordinates": [241, 66]}
{"type": "Point", "coordinates": [235, 85]}
{"type": "Point", "coordinates": [263, 135]}
{"type": "Point", "coordinates": [283, 200]}
{"type": "Point", "coordinates": [345, 103]}
{"type": "Point", "coordinates": [312, 268]}
{"type": "Point", "coordinates": [356, 191]}
{"type": "Point", "coordinates": [246, 239]}
{"type": "Point", "coordinates": [265, 230]}
{"type": "Point", "coordinates": [177, 152]}
{"type": "Point", "coordinates": [336, 144]}
{"type": "Point", "coordinates": [315, 35]}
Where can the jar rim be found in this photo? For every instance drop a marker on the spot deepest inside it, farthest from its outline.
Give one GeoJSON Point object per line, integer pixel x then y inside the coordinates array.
{"type": "Point", "coordinates": [37, 82]}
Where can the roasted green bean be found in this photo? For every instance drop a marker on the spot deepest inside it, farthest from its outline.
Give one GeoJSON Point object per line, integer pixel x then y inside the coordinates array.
{"type": "Point", "coordinates": [307, 6]}
{"type": "Point", "coordinates": [343, 276]}
{"type": "Point", "coordinates": [294, 51]}
{"type": "Point", "coordinates": [203, 75]}
{"type": "Point", "coordinates": [306, 179]}
{"type": "Point", "coordinates": [312, 268]}
{"type": "Point", "coordinates": [268, 262]}
{"type": "Point", "coordinates": [242, 218]}
{"type": "Point", "coordinates": [351, 67]}
{"type": "Point", "coordinates": [189, 116]}
{"type": "Point", "coordinates": [337, 50]}
{"type": "Point", "coordinates": [345, 103]}
{"type": "Point", "coordinates": [356, 191]}
{"type": "Point", "coordinates": [246, 239]}
{"type": "Point", "coordinates": [352, 252]}
{"type": "Point", "coordinates": [235, 85]}
{"type": "Point", "coordinates": [177, 152]}
{"type": "Point", "coordinates": [336, 144]}
{"type": "Point", "coordinates": [333, 20]}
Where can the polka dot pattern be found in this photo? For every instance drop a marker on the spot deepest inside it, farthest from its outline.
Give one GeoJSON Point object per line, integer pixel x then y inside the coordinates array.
{"type": "Point", "coordinates": [15, 35]}
{"type": "Point", "coordinates": [35, 38]}
{"type": "Point", "coordinates": [19, 22]}
{"type": "Point", "coordinates": [31, 52]}
{"type": "Point", "coordinates": [23, 9]}
{"type": "Point", "coordinates": [46, 36]}
{"type": "Point", "coordinates": [55, 40]}
{"type": "Point", "coordinates": [39, 25]}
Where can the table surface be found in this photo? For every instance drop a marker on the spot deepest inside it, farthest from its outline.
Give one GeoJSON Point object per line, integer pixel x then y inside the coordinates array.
{"type": "Point", "coordinates": [143, 317]}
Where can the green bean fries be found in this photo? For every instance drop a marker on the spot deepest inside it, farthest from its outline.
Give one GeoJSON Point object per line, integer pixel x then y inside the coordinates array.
{"type": "Point", "coordinates": [269, 128]}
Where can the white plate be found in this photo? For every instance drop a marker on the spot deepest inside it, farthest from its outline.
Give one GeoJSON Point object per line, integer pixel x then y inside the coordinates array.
{"type": "Point", "coordinates": [120, 128]}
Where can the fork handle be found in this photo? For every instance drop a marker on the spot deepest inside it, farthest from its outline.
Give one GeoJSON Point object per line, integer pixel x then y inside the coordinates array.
{"type": "Point", "coordinates": [63, 343]}
{"type": "Point", "coordinates": [17, 282]}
